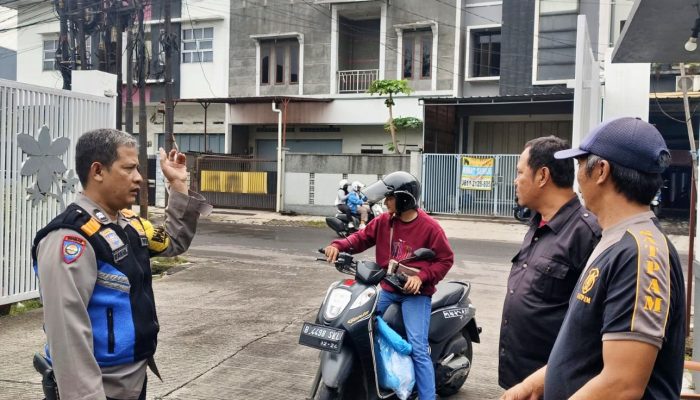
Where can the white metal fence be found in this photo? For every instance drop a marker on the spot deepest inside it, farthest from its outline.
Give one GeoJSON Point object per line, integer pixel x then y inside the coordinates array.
{"type": "Point", "coordinates": [356, 81]}
{"type": "Point", "coordinates": [442, 185]}
{"type": "Point", "coordinates": [25, 109]}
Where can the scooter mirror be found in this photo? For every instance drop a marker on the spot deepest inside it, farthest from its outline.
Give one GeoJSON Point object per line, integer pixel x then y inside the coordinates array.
{"type": "Point", "coordinates": [423, 254]}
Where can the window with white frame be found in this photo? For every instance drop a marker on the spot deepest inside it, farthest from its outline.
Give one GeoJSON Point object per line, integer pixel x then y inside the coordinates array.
{"type": "Point", "coordinates": [279, 62]}
{"type": "Point", "coordinates": [198, 45]}
{"type": "Point", "coordinates": [485, 49]}
{"type": "Point", "coordinates": [50, 47]}
{"type": "Point", "coordinates": [49, 59]}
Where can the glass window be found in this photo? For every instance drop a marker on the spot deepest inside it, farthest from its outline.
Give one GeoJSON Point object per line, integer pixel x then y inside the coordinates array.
{"type": "Point", "coordinates": [408, 58]}
{"type": "Point", "coordinates": [426, 55]}
{"type": "Point", "coordinates": [486, 56]}
{"type": "Point", "coordinates": [194, 42]}
{"type": "Point", "coordinates": [279, 60]}
{"type": "Point", "coordinates": [294, 63]}
{"type": "Point", "coordinates": [265, 65]}
{"type": "Point", "coordinates": [49, 60]}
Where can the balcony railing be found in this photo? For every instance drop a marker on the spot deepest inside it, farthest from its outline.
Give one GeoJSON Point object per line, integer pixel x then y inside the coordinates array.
{"type": "Point", "coordinates": [356, 81]}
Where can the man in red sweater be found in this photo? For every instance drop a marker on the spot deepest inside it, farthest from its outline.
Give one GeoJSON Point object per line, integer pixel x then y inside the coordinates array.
{"type": "Point", "coordinates": [397, 234]}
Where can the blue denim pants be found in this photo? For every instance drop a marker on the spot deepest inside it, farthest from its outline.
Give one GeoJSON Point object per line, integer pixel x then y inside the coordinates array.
{"type": "Point", "coordinates": [416, 318]}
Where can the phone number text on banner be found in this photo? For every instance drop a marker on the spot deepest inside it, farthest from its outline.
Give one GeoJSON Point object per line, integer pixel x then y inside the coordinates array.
{"type": "Point", "coordinates": [477, 173]}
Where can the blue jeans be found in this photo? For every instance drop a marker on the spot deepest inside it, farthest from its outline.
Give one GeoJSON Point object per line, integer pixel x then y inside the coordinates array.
{"type": "Point", "coordinates": [416, 318]}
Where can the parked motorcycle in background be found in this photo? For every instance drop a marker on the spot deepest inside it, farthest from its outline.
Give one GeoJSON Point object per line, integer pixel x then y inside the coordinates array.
{"type": "Point", "coordinates": [345, 326]}
{"type": "Point", "coordinates": [521, 213]}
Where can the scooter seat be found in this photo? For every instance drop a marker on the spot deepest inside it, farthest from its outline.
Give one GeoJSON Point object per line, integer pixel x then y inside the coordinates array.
{"type": "Point", "coordinates": [447, 293]}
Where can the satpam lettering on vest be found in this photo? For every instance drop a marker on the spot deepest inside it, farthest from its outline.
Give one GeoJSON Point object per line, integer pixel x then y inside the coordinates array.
{"type": "Point", "coordinates": [652, 299]}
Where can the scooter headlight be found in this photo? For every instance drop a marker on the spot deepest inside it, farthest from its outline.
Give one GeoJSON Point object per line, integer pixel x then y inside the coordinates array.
{"type": "Point", "coordinates": [363, 298]}
{"type": "Point", "coordinates": [336, 303]}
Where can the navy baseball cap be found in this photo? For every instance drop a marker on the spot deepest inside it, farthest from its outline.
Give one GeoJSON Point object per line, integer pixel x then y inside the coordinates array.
{"type": "Point", "coordinates": [629, 142]}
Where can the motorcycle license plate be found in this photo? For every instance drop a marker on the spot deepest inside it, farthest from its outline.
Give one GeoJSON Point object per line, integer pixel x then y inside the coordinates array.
{"type": "Point", "coordinates": [321, 337]}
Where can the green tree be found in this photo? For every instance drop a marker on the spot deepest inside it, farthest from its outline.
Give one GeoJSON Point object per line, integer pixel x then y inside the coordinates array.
{"type": "Point", "coordinates": [390, 87]}
{"type": "Point", "coordinates": [403, 124]}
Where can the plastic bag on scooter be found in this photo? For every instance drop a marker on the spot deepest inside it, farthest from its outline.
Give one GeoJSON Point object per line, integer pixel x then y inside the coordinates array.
{"type": "Point", "coordinates": [394, 363]}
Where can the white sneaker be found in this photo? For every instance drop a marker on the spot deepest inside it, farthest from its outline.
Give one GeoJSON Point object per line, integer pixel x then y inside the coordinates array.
{"type": "Point", "coordinates": [351, 225]}
{"type": "Point", "coordinates": [362, 226]}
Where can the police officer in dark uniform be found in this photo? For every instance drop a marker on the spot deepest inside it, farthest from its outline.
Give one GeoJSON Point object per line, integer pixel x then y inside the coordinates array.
{"type": "Point", "coordinates": [554, 252]}
{"type": "Point", "coordinates": [93, 264]}
{"type": "Point", "coordinates": [624, 333]}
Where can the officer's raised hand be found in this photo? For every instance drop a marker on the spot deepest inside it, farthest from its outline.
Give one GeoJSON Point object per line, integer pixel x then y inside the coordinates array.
{"type": "Point", "coordinates": [173, 166]}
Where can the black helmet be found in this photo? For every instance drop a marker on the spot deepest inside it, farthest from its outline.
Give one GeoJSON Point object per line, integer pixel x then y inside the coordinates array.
{"type": "Point", "coordinates": [402, 185]}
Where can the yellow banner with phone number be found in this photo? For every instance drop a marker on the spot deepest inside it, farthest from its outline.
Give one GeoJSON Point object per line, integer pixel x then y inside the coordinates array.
{"type": "Point", "coordinates": [477, 173]}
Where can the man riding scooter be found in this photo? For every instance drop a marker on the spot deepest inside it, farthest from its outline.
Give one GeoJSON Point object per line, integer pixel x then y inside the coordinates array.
{"type": "Point", "coordinates": [396, 234]}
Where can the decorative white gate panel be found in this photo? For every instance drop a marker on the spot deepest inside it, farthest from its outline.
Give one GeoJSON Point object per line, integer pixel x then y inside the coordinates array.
{"type": "Point", "coordinates": [31, 196]}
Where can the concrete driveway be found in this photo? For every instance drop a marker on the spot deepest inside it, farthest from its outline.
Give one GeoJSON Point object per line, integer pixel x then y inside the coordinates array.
{"type": "Point", "coordinates": [230, 320]}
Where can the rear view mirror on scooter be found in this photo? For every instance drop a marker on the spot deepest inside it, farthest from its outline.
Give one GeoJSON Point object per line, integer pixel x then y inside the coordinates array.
{"type": "Point", "coordinates": [423, 254]}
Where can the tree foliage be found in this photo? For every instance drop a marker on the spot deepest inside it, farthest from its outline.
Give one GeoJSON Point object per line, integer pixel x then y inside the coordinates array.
{"type": "Point", "coordinates": [390, 87]}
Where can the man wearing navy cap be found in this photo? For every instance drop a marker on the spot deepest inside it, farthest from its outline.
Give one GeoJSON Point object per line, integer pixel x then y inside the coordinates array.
{"type": "Point", "coordinates": [623, 335]}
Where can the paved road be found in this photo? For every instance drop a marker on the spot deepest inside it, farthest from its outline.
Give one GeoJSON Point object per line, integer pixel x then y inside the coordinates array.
{"type": "Point", "coordinates": [230, 321]}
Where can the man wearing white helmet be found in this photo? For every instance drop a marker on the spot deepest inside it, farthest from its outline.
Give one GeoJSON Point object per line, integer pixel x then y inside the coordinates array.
{"type": "Point", "coordinates": [341, 201]}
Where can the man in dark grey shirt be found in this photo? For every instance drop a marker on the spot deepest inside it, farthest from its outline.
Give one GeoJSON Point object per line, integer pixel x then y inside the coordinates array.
{"type": "Point", "coordinates": [561, 237]}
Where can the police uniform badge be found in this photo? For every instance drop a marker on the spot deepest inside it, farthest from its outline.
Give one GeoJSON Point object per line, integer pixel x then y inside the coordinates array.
{"type": "Point", "coordinates": [73, 247]}
{"type": "Point", "coordinates": [119, 249]}
{"type": "Point", "coordinates": [101, 216]}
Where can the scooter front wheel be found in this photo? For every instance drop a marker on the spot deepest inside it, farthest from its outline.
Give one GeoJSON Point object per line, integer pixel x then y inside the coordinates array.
{"type": "Point", "coordinates": [328, 393]}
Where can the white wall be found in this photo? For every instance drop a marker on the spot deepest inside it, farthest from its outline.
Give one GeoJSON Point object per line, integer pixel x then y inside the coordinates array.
{"type": "Point", "coordinates": [207, 79]}
{"type": "Point", "coordinates": [8, 39]}
{"type": "Point", "coordinates": [337, 112]}
{"type": "Point", "coordinates": [30, 46]}
{"type": "Point", "coordinates": [353, 137]}
{"type": "Point", "coordinates": [626, 92]}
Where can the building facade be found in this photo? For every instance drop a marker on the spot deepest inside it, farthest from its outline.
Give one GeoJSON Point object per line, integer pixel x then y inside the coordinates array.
{"type": "Point", "coordinates": [333, 50]}
{"type": "Point", "coordinates": [200, 64]}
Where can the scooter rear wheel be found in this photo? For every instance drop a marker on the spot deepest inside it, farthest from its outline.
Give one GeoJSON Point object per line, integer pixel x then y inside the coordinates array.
{"type": "Point", "coordinates": [453, 387]}
{"type": "Point", "coordinates": [327, 393]}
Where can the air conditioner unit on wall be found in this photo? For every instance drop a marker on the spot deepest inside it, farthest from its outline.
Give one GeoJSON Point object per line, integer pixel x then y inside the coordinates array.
{"type": "Point", "coordinates": [693, 83]}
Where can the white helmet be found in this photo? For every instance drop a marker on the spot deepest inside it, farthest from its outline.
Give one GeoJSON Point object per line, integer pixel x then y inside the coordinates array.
{"type": "Point", "coordinates": [357, 186]}
{"type": "Point", "coordinates": [342, 183]}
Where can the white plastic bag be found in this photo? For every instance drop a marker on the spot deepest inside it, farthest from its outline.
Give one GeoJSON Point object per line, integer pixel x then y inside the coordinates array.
{"type": "Point", "coordinates": [394, 369]}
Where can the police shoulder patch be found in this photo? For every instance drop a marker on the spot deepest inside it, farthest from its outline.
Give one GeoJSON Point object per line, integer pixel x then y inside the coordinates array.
{"type": "Point", "coordinates": [73, 247]}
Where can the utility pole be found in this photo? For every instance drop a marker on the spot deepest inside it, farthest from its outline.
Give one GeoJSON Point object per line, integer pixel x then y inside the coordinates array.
{"type": "Point", "coordinates": [63, 56]}
{"type": "Point", "coordinates": [80, 8]}
{"type": "Point", "coordinates": [117, 32]}
{"type": "Point", "coordinates": [167, 43]}
{"type": "Point", "coordinates": [143, 124]}
{"type": "Point", "coordinates": [129, 108]}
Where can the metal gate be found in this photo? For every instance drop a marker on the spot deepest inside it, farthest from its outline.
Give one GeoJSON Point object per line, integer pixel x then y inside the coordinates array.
{"type": "Point", "coordinates": [443, 192]}
{"type": "Point", "coordinates": [236, 181]}
{"type": "Point", "coordinates": [37, 170]}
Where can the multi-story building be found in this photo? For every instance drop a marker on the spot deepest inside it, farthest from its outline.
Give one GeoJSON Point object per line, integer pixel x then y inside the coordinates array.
{"type": "Point", "coordinates": [321, 56]}
{"type": "Point", "coordinates": [200, 63]}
